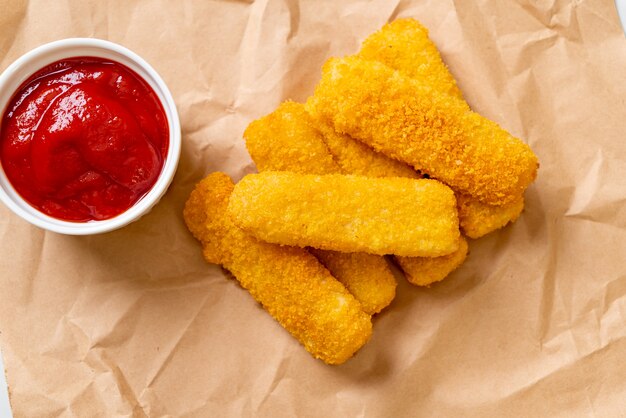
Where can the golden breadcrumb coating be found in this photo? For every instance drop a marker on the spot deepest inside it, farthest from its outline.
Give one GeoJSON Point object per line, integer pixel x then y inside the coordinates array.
{"type": "Point", "coordinates": [355, 157]}
{"type": "Point", "coordinates": [434, 132]}
{"type": "Point", "coordinates": [285, 140]}
{"type": "Point", "coordinates": [348, 213]}
{"type": "Point", "coordinates": [367, 276]}
{"type": "Point", "coordinates": [286, 134]}
{"type": "Point", "coordinates": [289, 282]}
{"type": "Point", "coordinates": [423, 271]}
{"type": "Point", "coordinates": [478, 219]}
{"type": "Point", "coordinates": [404, 45]}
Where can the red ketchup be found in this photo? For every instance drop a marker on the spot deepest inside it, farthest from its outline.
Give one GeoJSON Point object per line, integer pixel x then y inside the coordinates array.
{"type": "Point", "coordinates": [83, 139]}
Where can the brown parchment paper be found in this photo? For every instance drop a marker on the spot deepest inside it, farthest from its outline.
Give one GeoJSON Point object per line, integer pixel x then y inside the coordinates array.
{"type": "Point", "coordinates": [135, 323]}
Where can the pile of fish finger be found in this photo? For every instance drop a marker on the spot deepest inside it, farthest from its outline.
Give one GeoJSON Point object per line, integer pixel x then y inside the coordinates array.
{"type": "Point", "coordinates": [386, 159]}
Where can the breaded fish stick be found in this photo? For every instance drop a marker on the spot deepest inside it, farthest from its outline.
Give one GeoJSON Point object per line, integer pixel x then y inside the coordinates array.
{"type": "Point", "coordinates": [355, 157]}
{"type": "Point", "coordinates": [289, 282]}
{"type": "Point", "coordinates": [478, 219]}
{"type": "Point", "coordinates": [348, 213]}
{"type": "Point", "coordinates": [367, 276]}
{"type": "Point", "coordinates": [286, 140]}
{"type": "Point", "coordinates": [423, 271]}
{"type": "Point", "coordinates": [434, 132]}
{"type": "Point", "coordinates": [404, 45]}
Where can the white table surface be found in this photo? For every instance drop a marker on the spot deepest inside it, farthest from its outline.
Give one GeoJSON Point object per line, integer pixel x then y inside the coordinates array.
{"type": "Point", "coordinates": [5, 410]}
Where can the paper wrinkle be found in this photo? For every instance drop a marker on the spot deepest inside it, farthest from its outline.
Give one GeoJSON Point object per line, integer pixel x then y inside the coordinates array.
{"type": "Point", "coordinates": [39, 248]}
{"type": "Point", "coordinates": [488, 51]}
{"type": "Point", "coordinates": [254, 43]}
{"type": "Point", "coordinates": [114, 333]}
{"type": "Point", "coordinates": [589, 326]}
{"type": "Point", "coordinates": [69, 342]}
{"type": "Point", "coordinates": [562, 20]}
{"type": "Point", "coordinates": [35, 396]}
{"type": "Point", "coordinates": [581, 198]}
{"type": "Point", "coordinates": [394, 14]}
{"type": "Point", "coordinates": [135, 323]}
{"type": "Point", "coordinates": [176, 342]}
{"type": "Point", "coordinates": [615, 292]}
{"type": "Point", "coordinates": [606, 320]}
{"type": "Point", "coordinates": [293, 8]}
{"type": "Point", "coordinates": [546, 301]}
{"type": "Point", "coordinates": [114, 380]}
{"type": "Point", "coordinates": [17, 14]}
{"type": "Point", "coordinates": [278, 377]}
{"type": "Point", "coordinates": [562, 369]}
{"type": "Point", "coordinates": [611, 21]}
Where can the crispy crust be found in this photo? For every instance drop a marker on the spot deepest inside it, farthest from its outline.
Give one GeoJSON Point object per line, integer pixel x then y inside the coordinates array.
{"type": "Point", "coordinates": [284, 139]}
{"type": "Point", "coordinates": [289, 282]}
{"type": "Point", "coordinates": [423, 271]}
{"type": "Point", "coordinates": [348, 213]}
{"type": "Point", "coordinates": [404, 45]}
{"type": "Point", "coordinates": [287, 140]}
{"type": "Point", "coordinates": [407, 120]}
{"type": "Point", "coordinates": [478, 219]}
{"type": "Point", "coordinates": [367, 276]}
{"type": "Point", "coordinates": [355, 157]}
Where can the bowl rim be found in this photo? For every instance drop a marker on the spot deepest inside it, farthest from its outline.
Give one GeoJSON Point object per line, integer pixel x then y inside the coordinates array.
{"type": "Point", "coordinates": [143, 205]}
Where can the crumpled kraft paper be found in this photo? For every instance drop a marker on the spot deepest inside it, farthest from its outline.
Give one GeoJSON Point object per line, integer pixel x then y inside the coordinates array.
{"type": "Point", "coordinates": [135, 323]}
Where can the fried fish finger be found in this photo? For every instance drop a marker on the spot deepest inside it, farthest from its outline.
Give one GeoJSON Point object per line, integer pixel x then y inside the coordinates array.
{"type": "Point", "coordinates": [288, 135]}
{"type": "Point", "coordinates": [432, 131]}
{"type": "Point", "coordinates": [424, 271]}
{"type": "Point", "coordinates": [404, 45]}
{"type": "Point", "coordinates": [289, 282]}
{"type": "Point", "coordinates": [355, 157]}
{"type": "Point", "coordinates": [367, 276]}
{"type": "Point", "coordinates": [478, 219]}
{"type": "Point", "coordinates": [286, 140]}
{"type": "Point", "coordinates": [348, 213]}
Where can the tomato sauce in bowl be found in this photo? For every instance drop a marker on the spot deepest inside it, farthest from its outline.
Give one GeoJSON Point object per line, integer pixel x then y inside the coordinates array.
{"type": "Point", "coordinates": [84, 139]}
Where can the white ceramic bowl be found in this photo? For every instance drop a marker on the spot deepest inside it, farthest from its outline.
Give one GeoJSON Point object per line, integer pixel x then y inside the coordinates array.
{"type": "Point", "coordinates": [31, 62]}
